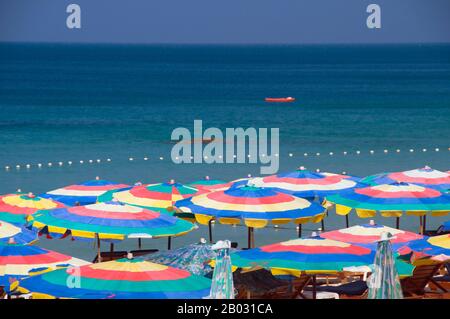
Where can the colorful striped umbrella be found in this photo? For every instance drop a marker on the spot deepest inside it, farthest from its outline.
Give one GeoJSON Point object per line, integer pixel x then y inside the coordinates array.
{"type": "Point", "coordinates": [369, 235]}
{"type": "Point", "coordinates": [426, 177]}
{"type": "Point", "coordinates": [313, 255]}
{"type": "Point", "coordinates": [392, 200]}
{"type": "Point", "coordinates": [385, 282]}
{"type": "Point", "coordinates": [429, 246]}
{"type": "Point", "coordinates": [18, 261]}
{"type": "Point", "coordinates": [14, 208]}
{"type": "Point", "coordinates": [222, 281]}
{"type": "Point", "coordinates": [84, 193]}
{"type": "Point", "coordinates": [154, 196]}
{"type": "Point", "coordinates": [16, 234]}
{"type": "Point", "coordinates": [118, 279]}
{"type": "Point", "coordinates": [306, 184]}
{"type": "Point", "coordinates": [194, 258]}
{"type": "Point", "coordinates": [109, 221]}
{"type": "Point", "coordinates": [257, 207]}
{"type": "Point", "coordinates": [210, 184]}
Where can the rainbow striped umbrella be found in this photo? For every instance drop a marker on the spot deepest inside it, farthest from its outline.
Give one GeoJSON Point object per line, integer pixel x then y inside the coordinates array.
{"type": "Point", "coordinates": [426, 177]}
{"type": "Point", "coordinates": [109, 221]}
{"type": "Point", "coordinates": [14, 208]}
{"type": "Point", "coordinates": [210, 184]}
{"type": "Point", "coordinates": [84, 193]}
{"type": "Point", "coordinates": [392, 200]}
{"type": "Point", "coordinates": [306, 184]}
{"type": "Point", "coordinates": [313, 255]}
{"type": "Point", "coordinates": [429, 246]}
{"type": "Point", "coordinates": [18, 261]}
{"type": "Point", "coordinates": [154, 196]}
{"type": "Point", "coordinates": [16, 234]}
{"type": "Point", "coordinates": [119, 279]}
{"type": "Point", "coordinates": [256, 207]}
{"type": "Point", "coordinates": [369, 234]}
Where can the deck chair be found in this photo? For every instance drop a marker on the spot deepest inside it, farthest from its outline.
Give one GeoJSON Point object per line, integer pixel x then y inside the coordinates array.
{"type": "Point", "coordinates": [259, 283]}
{"type": "Point", "coordinates": [414, 286]}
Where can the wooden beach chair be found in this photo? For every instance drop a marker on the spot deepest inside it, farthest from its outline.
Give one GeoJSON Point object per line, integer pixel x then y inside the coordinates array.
{"type": "Point", "coordinates": [261, 284]}
{"type": "Point", "coordinates": [414, 286]}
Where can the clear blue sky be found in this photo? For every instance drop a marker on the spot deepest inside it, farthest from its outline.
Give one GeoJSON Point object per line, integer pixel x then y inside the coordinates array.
{"type": "Point", "coordinates": [225, 21]}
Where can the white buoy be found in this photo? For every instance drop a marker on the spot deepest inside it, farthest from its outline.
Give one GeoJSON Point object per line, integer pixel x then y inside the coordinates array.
{"type": "Point", "coordinates": [108, 160]}
{"type": "Point", "coordinates": [17, 166]}
{"type": "Point", "coordinates": [81, 162]}
{"type": "Point", "coordinates": [290, 154]}
{"type": "Point", "coordinates": [331, 153]}
{"type": "Point", "coordinates": [305, 154]}
{"type": "Point", "coordinates": [161, 158]}
{"type": "Point", "coordinates": [131, 159]}
{"type": "Point", "coordinates": [69, 162]}
{"type": "Point", "coordinates": [345, 152]}
{"type": "Point", "coordinates": [49, 164]}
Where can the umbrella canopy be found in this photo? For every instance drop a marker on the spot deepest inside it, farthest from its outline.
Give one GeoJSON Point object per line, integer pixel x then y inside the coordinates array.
{"type": "Point", "coordinates": [369, 234]}
{"type": "Point", "coordinates": [14, 208]}
{"type": "Point", "coordinates": [109, 221]}
{"type": "Point", "coordinates": [16, 234]}
{"type": "Point", "coordinates": [306, 184]}
{"type": "Point", "coordinates": [210, 184]}
{"type": "Point", "coordinates": [154, 196]}
{"type": "Point", "coordinates": [313, 255]}
{"type": "Point", "coordinates": [429, 246]}
{"type": "Point", "coordinates": [83, 194]}
{"type": "Point", "coordinates": [194, 258]}
{"type": "Point", "coordinates": [446, 226]}
{"type": "Point", "coordinates": [384, 281]}
{"type": "Point", "coordinates": [426, 177]}
{"type": "Point", "coordinates": [120, 279]}
{"type": "Point", "coordinates": [222, 281]}
{"type": "Point", "coordinates": [392, 200]}
{"type": "Point", "coordinates": [17, 261]}
{"type": "Point", "coordinates": [256, 207]}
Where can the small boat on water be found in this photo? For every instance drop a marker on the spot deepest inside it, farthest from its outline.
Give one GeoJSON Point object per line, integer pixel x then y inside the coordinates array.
{"type": "Point", "coordinates": [280, 99]}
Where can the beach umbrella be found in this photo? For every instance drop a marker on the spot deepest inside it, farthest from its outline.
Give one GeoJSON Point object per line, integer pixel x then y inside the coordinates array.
{"type": "Point", "coordinates": [313, 255]}
{"type": "Point", "coordinates": [426, 177]}
{"type": "Point", "coordinates": [194, 258]}
{"type": "Point", "coordinates": [126, 278]}
{"type": "Point", "coordinates": [429, 247]}
{"type": "Point", "coordinates": [222, 280]}
{"type": "Point", "coordinates": [210, 184]}
{"type": "Point", "coordinates": [110, 221]}
{"type": "Point", "coordinates": [83, 194]}
{"type": "Point", "coordinates": [392, 200]}
{"type": "Point", "coordinates": [16, 234]}
{"type": "Point", "coordinates": [159, 197]}
{"type": "Point", "coordinates": [14, 208]}
{"type": "Point", "coordinates": [369, 235]}
{"type": "Point", "coordinates": [385, 282]}
{"type": "Point", "coordinates": [256, 207]}
{"type": "Point", "coordinates": [18, 261]}
{"type": "Point", "coordinates": [306, 184]}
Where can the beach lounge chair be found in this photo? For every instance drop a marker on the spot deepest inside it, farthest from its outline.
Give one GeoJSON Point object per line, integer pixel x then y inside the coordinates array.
{"type": "Point", "coordinates": [261, 284]}
{"type": "Point", "coordinates": [414, 286]}
{"type": "Point", "coordinates": [444, 279]}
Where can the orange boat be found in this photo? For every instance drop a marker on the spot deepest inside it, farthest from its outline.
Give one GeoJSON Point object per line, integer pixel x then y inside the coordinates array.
{"type": "Point", "coordinates": [280, 99]}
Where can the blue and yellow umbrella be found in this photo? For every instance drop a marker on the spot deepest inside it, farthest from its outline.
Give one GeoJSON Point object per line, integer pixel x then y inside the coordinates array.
{"type": "Point", "coordinates": [16, 234]}
{"type": "Point", "coordinates": [256, 207]}
{"type": "Point", "coordinates": [83, 194]}
{"type": "Point", "coordinates": [118, 279]}
{"type": "Point", "coordinates": [392, 200]}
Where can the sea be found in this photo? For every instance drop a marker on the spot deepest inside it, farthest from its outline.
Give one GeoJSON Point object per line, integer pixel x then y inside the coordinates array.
{"type": "Point", "coordinates": [359, 110]}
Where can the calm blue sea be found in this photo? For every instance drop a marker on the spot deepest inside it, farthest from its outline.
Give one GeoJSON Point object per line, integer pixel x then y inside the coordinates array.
{"type": "Point", "coordinates": [81, 102]}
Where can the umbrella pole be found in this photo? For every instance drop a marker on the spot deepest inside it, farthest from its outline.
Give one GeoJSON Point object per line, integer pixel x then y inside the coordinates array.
{"type": "Point", "coordinates": [250, 238]}
{"type": "Point", "coordinates": [424, 224]}
{"type": "Point", "coordinates": [323, 225]}
{"type": "Point", "coordinates": [421, 225]}
{"type": "Point", "coordinates": [314, 292]}
{"type": "Point", "coordinates": [397, 223]}
{"type": "Point", "coordinates": [346, 221]}
{"type": "Point", "coordinates": [299, 230]}
{"type": "Point", "coordinates": [99, 256]}
{"type": "Point", "coordinates": [169, 243]}
{"type": "Point", "coordinates": [111, 247]}
{"type": "Point", "coordinates": [139, 243]}
{"type": "Point", "coordinates": [210, 231]}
